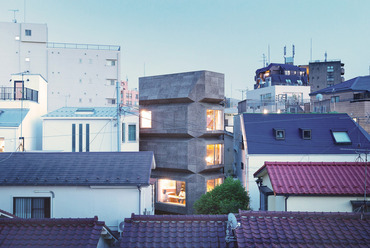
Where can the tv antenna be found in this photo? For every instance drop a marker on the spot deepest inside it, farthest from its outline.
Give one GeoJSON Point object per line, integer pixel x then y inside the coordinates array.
{"type": "Point", "coordinates": [14, 10]}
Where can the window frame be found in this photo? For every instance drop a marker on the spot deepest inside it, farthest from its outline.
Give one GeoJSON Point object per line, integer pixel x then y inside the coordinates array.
{"type": "Point", "coordinates": [217, 160]}
{"type": "Point", "coordinates": [28, 32]}
{"type": "Point", "coordinates": [338, 142]}
{"type": "Point", "coordinates": [170, 195]}
{"type": "Point", "coordinates": [129, 133]}
{"type": "Point", "coordinates": [277, 131]}
{"type": "Point", "coordinates": [46, 210]}
{"type": "Point", "coordinates": [216, 182]}
{"type": "Point", "coordinates": [303, 131]}
{"type": "Point", "coordinates": [214, 116]}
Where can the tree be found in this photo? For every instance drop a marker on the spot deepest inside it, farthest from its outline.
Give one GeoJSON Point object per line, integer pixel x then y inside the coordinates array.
{"type": "Point", "coordinates": [226, 198]}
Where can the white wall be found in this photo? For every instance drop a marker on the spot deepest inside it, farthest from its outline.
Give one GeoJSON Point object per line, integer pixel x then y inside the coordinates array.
{"type": "Point", "coordinates": [57, 133]}
{"type": "Point", "coordinates": [75, 74]}
{"type": "Point", "coordinates": [111, 205]}
{"type": "Point", "coordinates": [257, 161]}
{"type": "Point", "coordinates": [15, 47]}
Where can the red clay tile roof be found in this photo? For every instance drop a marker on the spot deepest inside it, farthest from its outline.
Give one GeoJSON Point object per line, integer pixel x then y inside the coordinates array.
{"type": "Point", "coordinates": [19, 232]}
{"type": "Point", "coordinates": [291, 229]}
{"type": "Point", "coordinates": [317, 178]}
{"type": "Point", "coordinates": [175, 231]}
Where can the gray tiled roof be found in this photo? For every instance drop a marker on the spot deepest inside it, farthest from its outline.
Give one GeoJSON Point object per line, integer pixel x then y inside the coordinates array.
{"type": "Point", "coordinates": [76, 112]}
{"type": "Point", "coordinates": [69, 168]}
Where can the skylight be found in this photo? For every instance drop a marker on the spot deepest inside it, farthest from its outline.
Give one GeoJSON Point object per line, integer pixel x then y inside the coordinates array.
{"type": "Point", "coordinates": [341, 137]}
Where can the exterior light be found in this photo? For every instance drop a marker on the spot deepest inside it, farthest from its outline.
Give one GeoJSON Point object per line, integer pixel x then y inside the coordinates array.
{"type": "Point", "coordinates": [278, 111]}
{"type": "Point", "coordinates": [265, 111]}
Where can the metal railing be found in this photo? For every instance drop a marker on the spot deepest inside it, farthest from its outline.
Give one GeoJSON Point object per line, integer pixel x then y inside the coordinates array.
{"type": "Point", "coordinates": [8, 93]}
{"type": "Point", "coordinates": [83, 46]}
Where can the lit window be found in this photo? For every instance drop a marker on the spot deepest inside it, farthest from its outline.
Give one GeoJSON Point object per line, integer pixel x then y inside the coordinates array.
{"type": "Point", "coordinates": [146, 119]}
{"type": "Point", "coordinates": [214, 154]}
{"type": "Point", "coordinates": [211, 184]}
{"type": "Point", "coordinates": [171, 192]}
{"type": "Point", "coordinates": [341, 137]}
{"type": "Point", "coordinates": [214, 120]}
{"type": "Point", "coordinates": [279, 134]}
{"type": "Point", "coordinates": [2, 145]}
{"type": "Point", "coordinates": [330, 68]}
{"type": "Point", "coordinates": [132, 132]}
{"type": "Point", "coordinates": [31, 207]}
{"type": "Point", "coordinates": [28, 32]}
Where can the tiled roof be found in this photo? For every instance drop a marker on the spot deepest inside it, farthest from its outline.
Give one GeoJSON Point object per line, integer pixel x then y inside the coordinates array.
{"type": "Point", "coordinates": [317, 178]}
{"type": "Point", "coordinates": [86, 112]}
{"type": "Point", "coordinates": [76, 168]}
{"type": "Point", "coordinates": [12, 117]}
{"type": "Point", "coordinates": [175, 231]}
{"type": "Point", "coordinates": [19, 232]}
{"type": "Point", "coordinates": [260, 138]}
{"type": "Point", "coordinates": [290, 229]}
{"type": "Point", "coordinates": [354, 84]}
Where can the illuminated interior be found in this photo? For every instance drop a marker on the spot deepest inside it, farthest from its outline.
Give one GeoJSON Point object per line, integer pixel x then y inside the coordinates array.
{"type": "Point", "coordinates": [214, 120]}
{"type": "Point", "coordinates": [214, 154]}
{"type": "Point", "coordinates": [171, 192]}
{"type": "Point", "coordinates": [2, 145]}
{"type": "Point", "coordinates": [146, 119]}
{"type": "Point", "coordinates": [211, 184]}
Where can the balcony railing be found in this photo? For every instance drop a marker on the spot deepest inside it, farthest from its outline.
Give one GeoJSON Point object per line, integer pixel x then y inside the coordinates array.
{"type": "Point", "coordinates": [8, 93]}
{"type": "Point", "coordinates": [83, 46]}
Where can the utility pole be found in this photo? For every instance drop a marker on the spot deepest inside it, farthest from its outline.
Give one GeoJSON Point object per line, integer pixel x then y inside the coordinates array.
{"type": "Point", "coordinates": [118, 117]}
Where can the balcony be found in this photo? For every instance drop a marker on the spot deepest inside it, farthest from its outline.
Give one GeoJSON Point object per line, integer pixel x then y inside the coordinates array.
{"type": "Point", "coordinates": [83, 46]}
{"type": "Point", "coordinates": [8, 93]}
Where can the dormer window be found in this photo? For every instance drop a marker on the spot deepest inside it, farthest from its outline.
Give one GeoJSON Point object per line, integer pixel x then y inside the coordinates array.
{"type": "Point", "coordinates": [341, 137]}
{"type": "Point", "coordinates": [306, 133]}
{"type": "Point", "coordinates": [279, 134]}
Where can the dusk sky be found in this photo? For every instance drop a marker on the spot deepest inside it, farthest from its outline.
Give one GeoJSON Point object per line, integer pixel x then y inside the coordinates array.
{"type": "Point", "coordinates": [161, 37]}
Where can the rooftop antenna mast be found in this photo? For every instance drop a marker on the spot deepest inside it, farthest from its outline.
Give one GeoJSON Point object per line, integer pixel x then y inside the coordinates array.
{"type": "Point", "coordinates": [326, 56]}
{"type": "Point", "coordinates": [269, 61]}
{"type": "Point", "coordinates": [284, 54]}
{"type": "Point", "coordinates": [14, 10]}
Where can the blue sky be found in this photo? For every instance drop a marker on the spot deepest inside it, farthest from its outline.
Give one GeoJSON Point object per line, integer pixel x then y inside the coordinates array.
{"type": "Point", "coordinates": [224, 36]}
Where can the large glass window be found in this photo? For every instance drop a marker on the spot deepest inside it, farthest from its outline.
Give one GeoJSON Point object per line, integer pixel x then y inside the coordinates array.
{"type": "Point", "coordinates": [214, 154]}
{"type": "Point", "coordinates": [31, 207]}
{"type": "Point", "coordinates": [211, 184]}
{"type": "Point", "coordinates": [214, 120]}
{"type": "Point", "coordinates": [146, 119]}
{"type": "Point", "coordinates": [171, 192]}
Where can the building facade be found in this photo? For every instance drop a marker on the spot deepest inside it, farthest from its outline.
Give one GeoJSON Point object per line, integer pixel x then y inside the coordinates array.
{"type": "Point", "coordinates": [23, 100]}
{"type": "Point", "coordinates": [181, 121]}
{"type": "Point", "coordinates": [129, 98]}
{"type": "Point", "coordinates": [72, 129]}
{"type": "Point", "coordinates": [351, 97]}
{"type": "Point", "coordinates": [324, 74]}
{"type": "Point", "coordinates": [77, 74]}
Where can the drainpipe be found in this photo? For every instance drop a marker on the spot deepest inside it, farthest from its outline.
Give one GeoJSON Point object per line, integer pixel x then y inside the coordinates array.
{"type": "Point", "coordinates": [286, 203]}
{"type": "Point", "coordinates": [139, 188]}
{"type": "Point", "coordinates": [51, 201]}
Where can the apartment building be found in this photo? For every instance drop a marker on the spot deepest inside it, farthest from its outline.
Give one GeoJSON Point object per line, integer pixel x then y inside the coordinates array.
{"type": "Point", "coordinates": [80, 75]}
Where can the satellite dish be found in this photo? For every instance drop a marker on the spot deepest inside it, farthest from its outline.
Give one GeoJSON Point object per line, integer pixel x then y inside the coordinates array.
{"type": "Point", "coordinates": [319, 97]}
{"type": "Point", "coordinates": [232, 220]}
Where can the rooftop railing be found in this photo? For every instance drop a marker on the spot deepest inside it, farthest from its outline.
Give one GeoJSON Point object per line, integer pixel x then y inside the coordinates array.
{"type": "Point", "coordinates": [83, 46]}
{"type": "Point", "coordinates": [8, 93]}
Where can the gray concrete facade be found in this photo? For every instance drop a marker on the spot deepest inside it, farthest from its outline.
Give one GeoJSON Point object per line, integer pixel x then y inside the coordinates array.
{"type": "Point", "coordinates": [178, 135]}
{"type": "Point", "coordinates": [323, 74]}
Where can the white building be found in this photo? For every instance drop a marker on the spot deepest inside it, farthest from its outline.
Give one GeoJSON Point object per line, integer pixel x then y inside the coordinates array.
{"type": "Point", "coordinates": [72, 129]}
{"type": "Point", "coordinates": [23, 100]}
{"type": "Point", "coordinates": [78, 74]}
{"type": "Point", "coordinates": [277, 99]}
{"type": "Point", "coordinates": [111, 185]}
{"type": "Point", "coordinates": [292, 138]}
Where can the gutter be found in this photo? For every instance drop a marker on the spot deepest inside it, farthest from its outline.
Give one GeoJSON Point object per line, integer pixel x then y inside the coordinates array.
{"type": "Point", "coordinates": [139, 188]}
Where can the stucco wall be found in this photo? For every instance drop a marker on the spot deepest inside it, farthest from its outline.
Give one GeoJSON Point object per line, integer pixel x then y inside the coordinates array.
{"type": "Point", "coordinates": [111, 205]}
